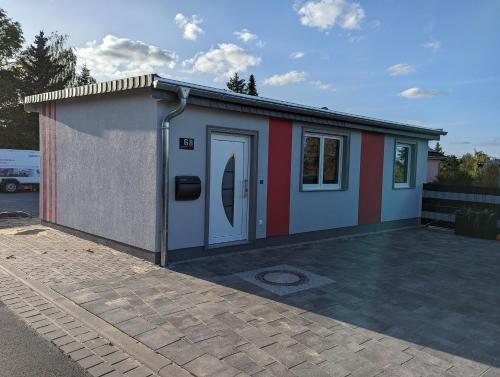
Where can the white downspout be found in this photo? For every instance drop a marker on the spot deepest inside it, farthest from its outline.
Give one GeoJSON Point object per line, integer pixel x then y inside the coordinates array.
{"type": "Point", "coordinates": [183, 94]}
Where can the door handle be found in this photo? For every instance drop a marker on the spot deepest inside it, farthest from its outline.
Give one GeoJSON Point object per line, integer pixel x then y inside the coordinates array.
{"type": "Point", "coordinates": [245, 188]}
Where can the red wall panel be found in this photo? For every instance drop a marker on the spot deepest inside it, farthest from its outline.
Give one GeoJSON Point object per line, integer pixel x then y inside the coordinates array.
{"type": "Point", "coordinates": [278, 177]}
{"type": "Point", "coordinates": [370, 181]}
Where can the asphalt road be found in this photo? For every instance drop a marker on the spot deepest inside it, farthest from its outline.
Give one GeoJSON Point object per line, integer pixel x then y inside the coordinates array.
{"type": "Point", "coordinates": [24, 353]}
{"type": "Point", "coordinates": [20, 201]}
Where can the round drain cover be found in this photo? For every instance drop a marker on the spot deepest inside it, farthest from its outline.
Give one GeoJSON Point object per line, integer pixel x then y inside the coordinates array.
{"type": "Point", "coordinates": [282, 277]}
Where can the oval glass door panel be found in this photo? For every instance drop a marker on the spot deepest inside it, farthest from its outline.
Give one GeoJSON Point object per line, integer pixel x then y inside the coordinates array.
{"type": "Point", "coordinates": [227, 190]}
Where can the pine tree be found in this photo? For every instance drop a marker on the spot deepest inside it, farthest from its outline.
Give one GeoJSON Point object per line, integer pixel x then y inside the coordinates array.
{"type": "Point", "coordinates": [438, 148]}
{"type": "Point", "coordinates": [84, 78]}
{"type": "Point", "coordinates": [47, 65]}
{"type": "Point", "coordinates": [252, 86]}
{"type": "Point", "coordinates": [44, 66]}
{"type": "Point", "coordinates": [236, 84]}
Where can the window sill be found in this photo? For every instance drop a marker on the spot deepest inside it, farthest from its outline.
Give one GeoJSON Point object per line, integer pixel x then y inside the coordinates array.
{"type": "Point", "coordinates": [322, 189]}
{"type": "Point", "coordinates": [403, 187]}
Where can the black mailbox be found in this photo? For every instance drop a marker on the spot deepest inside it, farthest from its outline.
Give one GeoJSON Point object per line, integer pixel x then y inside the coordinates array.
{"type": "Point", "coordinates": [187, 187]}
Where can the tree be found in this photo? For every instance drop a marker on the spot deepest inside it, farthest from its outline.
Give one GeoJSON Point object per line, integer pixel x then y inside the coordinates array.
{"type": "Point", "coordinates": [438, 148]}
{"type": "Point", "coordinates": [236, 84]}
{"type": "Point", "coordinates": [11, 111]}
{"type": "Point", "coordinates": [489, 174]}
{"type": "Point", "coordinates": [252, 86]}
{"type": "Point", "coordinates": [11, 39]}
{"type": "Point", "coordinates": [47, 64]}
{"type": "Point", "coordinates": [84, 78]}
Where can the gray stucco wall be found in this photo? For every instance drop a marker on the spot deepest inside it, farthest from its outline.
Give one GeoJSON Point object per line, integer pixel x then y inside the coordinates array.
{"type": "Point", "coordinates": [403, 203]}
{"type": "Point", "coordinates": [187, 219]}
{"type": "Point", "coordinates": [106, 155]}
{"type": "Point", "coordinates": [319, 210]}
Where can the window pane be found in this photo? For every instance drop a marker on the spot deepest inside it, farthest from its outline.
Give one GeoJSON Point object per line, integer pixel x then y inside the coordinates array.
{"type": "Point", "coordinates": [331, 161]}
{"type": "Point", "coordinates": [401, 164]}
{"type": "Point", "coordinates": [310, 172]}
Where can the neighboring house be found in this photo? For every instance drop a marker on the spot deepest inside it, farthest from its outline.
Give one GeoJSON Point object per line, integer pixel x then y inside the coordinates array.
{"type": "Point", "coordinates": [240, 169]}
{"type": "Point", "coordinates": [433, 163]}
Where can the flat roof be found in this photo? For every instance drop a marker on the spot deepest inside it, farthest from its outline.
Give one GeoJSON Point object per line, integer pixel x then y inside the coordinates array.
{"type": "Point", "coordinates": [268, 106]}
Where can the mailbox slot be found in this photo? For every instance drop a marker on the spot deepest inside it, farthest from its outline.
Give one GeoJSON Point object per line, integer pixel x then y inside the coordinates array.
{"type": "Point", "coordinates": [187, 187]}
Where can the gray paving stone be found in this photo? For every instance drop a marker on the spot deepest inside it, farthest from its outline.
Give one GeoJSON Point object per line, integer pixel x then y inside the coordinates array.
{"type": "Point", "coordinates": [117, 315]}
{"type": "Point", "coordinates": [284, 355]}
{"type": "Point", "coordinates": [80, 354]}
{"type": "Point", "coordinates": [208, 365]}
{"type": "Point", "coordinates": [261, 357]}
{"type": "Point", "coordinates": [126, 365]}
{"type": "Point", "coordinates": [198, 333]}
{"type": "Point", "coordinates": [71, 347]}
{"type": "Point", "coordinates": [135, 326]}
{"type": "Point", "coordinates": [100, 370]}
{"type": "Point", "coordinates": [115, 357]}
{"type": "Point", "coordinates": [173, 371]}
{"type": "Point", "coordinates": [243, 363]}
{"type": "Point", "coordinates": [307, 369]}
{"type": "Point", "coordinates": [158, 338]}
{"type": "Point", "coordinates": [255, 336]}
{"type": "Point", "coordinates": [105, 350]}
{"type": "Point", "coordinates": [181, 352]}
{"type": "Point", "coordinates": [139, 372]}
{"type": "Point", "coordinates": [89, 361]}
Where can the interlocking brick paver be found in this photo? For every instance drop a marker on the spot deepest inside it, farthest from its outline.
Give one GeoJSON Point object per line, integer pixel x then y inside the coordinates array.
{"type": "Point", "coordinates": [80, 354]}
{"type": "Point", "coordinates": [208, 365]}
{"type": "Point", "coordinates": [181, 352]}
{"type": "Point", "coordinates": [135, 326]}
{"type": "Point", "coordinates": [173, 371]}
{"type": "Point", "coordinates": [100, 370]}
{"type": "Point", "coordinates": [138, 372]}
{"type": "Point", "coordinates": [89, 361]}
{"type": "Point", "coordinates": [158, 338]}
{"type": "Point", "coordinates": [285, 355]}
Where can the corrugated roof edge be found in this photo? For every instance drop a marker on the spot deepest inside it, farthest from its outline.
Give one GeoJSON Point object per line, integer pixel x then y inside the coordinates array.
{"type": "Point", "coordinates": [155, 81]}
{"type": "Point", "coordinates": [144, 81]}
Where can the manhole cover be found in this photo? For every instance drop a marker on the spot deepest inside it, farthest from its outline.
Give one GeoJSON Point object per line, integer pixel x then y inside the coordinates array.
{"type": "Point", "coordinates": [284, 278]}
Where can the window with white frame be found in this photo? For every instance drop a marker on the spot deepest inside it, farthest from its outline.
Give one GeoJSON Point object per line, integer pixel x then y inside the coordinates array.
{"type": "Point", "coordinates": [322, 161]}
{"type": "Point", "coordinates": [403, 165]}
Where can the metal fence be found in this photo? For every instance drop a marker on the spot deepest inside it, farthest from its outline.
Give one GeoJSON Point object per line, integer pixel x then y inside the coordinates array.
{"type": "Point", "coordinates": [441, 202]}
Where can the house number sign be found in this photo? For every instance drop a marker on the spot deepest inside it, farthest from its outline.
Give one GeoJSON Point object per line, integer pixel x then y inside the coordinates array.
{"type": "Point", "coordinates": [186, 143]}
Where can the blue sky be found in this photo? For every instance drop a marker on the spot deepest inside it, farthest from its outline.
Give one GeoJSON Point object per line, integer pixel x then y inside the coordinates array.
{"type": "Point", "coordinates": [429, 63]}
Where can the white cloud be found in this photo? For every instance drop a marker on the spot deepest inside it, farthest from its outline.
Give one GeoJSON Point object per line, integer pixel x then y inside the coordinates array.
{"type": "Point", "coordinates": [324, 14]}
{"type": "Point", "coordinates": [297, 55]}
{"type": "Point", "coordinates": [292, 77]}
{"type": "Point", "coordinates": [245, 35]}
{"type": "Point", "coordinates": [417, 93]}
{"type": "Point", "coordinates": [321, 85]}
{"type": "Point", "coordinates": [222, 61]}
{"type": "Point", "coordinates": [118, 57]}
{"type": "Point", "coordinates": [189, 26]}
{"type": "Point", "coordinates": [400, 69]}
{"type": "Point", "coordinates": [433, 45]}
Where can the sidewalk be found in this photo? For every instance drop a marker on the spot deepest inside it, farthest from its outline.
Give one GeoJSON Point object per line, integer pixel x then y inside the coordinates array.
{"type": "Point", "coordinates": [118, 315]}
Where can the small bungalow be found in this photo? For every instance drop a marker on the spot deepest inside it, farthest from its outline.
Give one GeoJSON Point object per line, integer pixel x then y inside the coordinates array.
{"type": "Point", "coordinates": [168, 170]}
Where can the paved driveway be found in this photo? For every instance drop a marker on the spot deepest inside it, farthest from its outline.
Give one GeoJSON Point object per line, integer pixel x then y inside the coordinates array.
{"type": "Point", "coordinates": [417, 302]}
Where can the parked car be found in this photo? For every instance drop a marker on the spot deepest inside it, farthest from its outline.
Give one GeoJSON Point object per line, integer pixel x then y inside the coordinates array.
{"type": "Point", "coordinates": [19, 168]}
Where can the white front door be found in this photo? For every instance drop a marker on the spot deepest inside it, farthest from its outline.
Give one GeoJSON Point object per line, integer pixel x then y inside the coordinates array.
{"type": "Point", "coordinates": [229, 172]}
